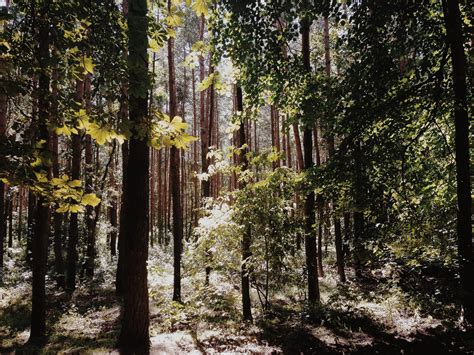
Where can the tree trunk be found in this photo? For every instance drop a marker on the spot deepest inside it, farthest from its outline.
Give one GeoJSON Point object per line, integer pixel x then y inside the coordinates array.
{"type": "Point", "coordinates": [454, 29]}
{"type": "Point", "coordinates": [73, 221]}
{"type": "Point", "coordinates": [125, 151]}
{"type": "Point", "coordinates": [112, 211]}
{"type": "Point", "coordinates": [331, 150]}
{"type": "Point", "coordinates": [89, 172]}
{"type": "Point", "coordinates": [246, 239]}
{"type": "Point", "coordinates": [40, 240]}
{"type": "Point", "coordinates": [309, 205]}
{"type": "Point", "coordinates": [175, 178]}
{"type": "Point", "coordinates": [134, 333]}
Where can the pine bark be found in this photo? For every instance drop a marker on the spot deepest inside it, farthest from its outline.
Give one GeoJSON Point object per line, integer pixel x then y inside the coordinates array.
{"type": "Point", "coordinates": [134, 334]}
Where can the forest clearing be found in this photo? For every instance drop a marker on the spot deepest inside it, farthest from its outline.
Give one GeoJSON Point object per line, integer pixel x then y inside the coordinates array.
{"type": "Point", "coordinates": [236, 177]}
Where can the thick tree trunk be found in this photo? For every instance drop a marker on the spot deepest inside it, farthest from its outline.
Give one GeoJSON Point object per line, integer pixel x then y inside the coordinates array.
{"type": "Point", "coordinates": [454, 29]}
{"type": "Point", "coordinates": [134, 333]}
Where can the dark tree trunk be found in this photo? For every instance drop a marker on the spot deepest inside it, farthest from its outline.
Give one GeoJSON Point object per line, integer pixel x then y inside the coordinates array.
{"type": "Point", "coordinates": [74, 220]}
{"type": "Point", "coordinates": [175, 178]}
{"type": "Point", "coordinates": [30, 226]}
{"type": "Point", "coordinates": [331, 150]}
{"type": "Point", "coordinates": [125, 151]}
{"type": "Point", "coordinates": [246, 239]}
{"type": "Point", "coordinates": [10, 221]}
{"type": "Point", "coordinates": [2, 230]}
{"type": "Point", "coordinates": [89, 172]}
{"type": "Point", "coordinates": [454, 29]}
{"type": "Point", "coordinates": [57, 217]}
{"type": "Point", "coordinates": [309, 205]}
{"type": "Point", "coordinates": [43, 215]}
{"type": "Point", "coordinates": [134, 333]}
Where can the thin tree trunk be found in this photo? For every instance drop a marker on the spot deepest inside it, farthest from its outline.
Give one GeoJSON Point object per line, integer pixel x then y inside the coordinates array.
{"type": "Point", "coordinates": [89, 172]}
{"type": "Point", "coordinates": [175, 178]}
{"type": "Point", "coordinates": [331, 150]}
{"type": "Point", "coordinates": [246, 239]}
{"type": "Point", "coordinates": [124, 108]}
{"type": "Point", "coordinates": [309, 205]}
{"type": "Point", "coordinates": [57, 217]}
{"type": "Point", "coordinates": [43, 215]}
{"type": "Point", "coordinates": [73, 222]}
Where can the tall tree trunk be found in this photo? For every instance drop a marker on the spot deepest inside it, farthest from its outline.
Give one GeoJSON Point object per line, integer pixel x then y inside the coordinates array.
{"type": "Point", "coordinates": [31, 222]}
{"type": "Point", "coordinates": [135, 317]}
{"type": "Point", "coordinates": [20, 214]}
{"type": "Point", "coordinates": [246, 239]}
{"type": "Point", "coordinates": [320, 207]}
{"type": "Point", "coordinates": [10, 220]}
{"type": "Point", "coordinates": [74, 220]}
{"type": "Point", "coordinates": [2, 229]}
{"type": "Point", "coordinates": [124, 108]}
{"type": "Point", "coordinates": [43, 215]}
{"type": "Point", "coordinates": [112, 211]}
{"type": "Point", "coordinates": [89, 172]}
{"type": "Point", "coordinates": [331, 150]}
{"type": "Point", "coordinates": [57, 217]}
{"type": "Point", "coordinates": [175, 178]}
{"type": "Point", "coordinates": [454, 29]}
{"type": "Point", "coordinates": [309, 205]}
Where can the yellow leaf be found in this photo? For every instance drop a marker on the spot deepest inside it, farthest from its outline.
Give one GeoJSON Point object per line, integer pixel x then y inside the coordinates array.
{"type": "Point", "coordinates": [74, 183]}
{"type": "Point", "coordinates": [41, 177]}
{"type": "Point", "coordinates": [200, 7]}
{"type": "Point", "coordinates": [62, 209]}
{"type": "Point", "coordinates": [90, 200]}
{"type": "Point", "coordinates": [178, 124]}
{"type": "Point", "coordinates": [153, 45]}
{"type": "Point", "coordinates": [87, 65]}
{"type": "Point", "coordinates": [57, 182]}
{"type": "Point", "coordinates": [75, 208]}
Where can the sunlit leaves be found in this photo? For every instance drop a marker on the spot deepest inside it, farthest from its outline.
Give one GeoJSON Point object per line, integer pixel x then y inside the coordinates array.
{"type": "Point", "coordinates": [169, 132]}
{"type": "Point", "coordinates": [200, 7]}
{"type": "Point", "coordinates": [87, 64]}
{"type": "Point", "coordinates": [90, 200]}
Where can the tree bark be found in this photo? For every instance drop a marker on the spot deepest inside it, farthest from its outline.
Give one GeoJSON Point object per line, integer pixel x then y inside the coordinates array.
{"type": "Point", "coordinates": [309, 205]}
{"type": "Point", "coordinates": [74, 220]}
{"type": "Point", "coordinates": [331, 150]}
{"type": "Point", "coordinates": [454, 30]}
{"type": "Point", "coordinates": [134, 335]}
{"type": "Point", "coordinates": [43, 215]}
{"type": "Point", "coordinates": [175, 178]}
{"type": "Point", "coordinates": [124, 108]}
{"type": "Point", "coordinates": [246, 239]}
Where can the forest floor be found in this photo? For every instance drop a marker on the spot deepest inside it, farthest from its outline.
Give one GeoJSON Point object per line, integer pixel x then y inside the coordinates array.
{"type": "Point", "coordinates": [408, 313]}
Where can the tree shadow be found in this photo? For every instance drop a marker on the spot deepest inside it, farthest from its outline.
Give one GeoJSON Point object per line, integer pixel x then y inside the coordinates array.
{"type": "Point", "coordinates": [337, 331]}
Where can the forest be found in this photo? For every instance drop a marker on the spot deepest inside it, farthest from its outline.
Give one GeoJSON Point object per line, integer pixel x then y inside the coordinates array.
{"type": "Point", "coordinates": [236, 176]}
